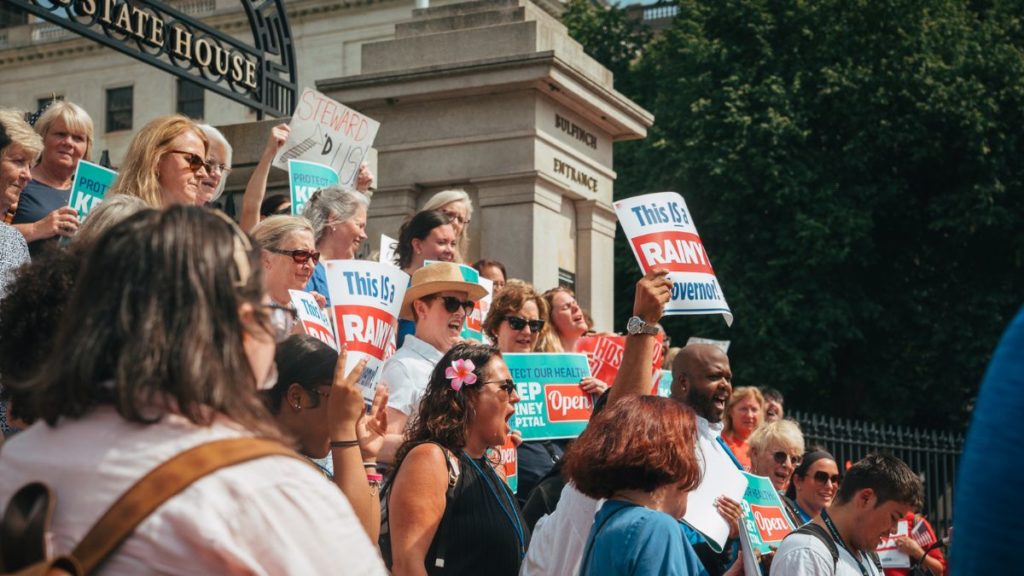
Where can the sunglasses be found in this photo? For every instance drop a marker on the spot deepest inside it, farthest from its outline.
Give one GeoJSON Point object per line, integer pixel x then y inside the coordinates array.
{"type": "Point", "coordinates": [518, 323]}
{"type": "Point", "coordinates": [780, 458]}
{"type": "Point", "coordinates": [195, 161]}
{"type": "Point", "coordinates": [822, 477]}
{"type": "Point", "coordinates": [508, 386]}
{"type": "Point", "coordinates": [298, 256]}
{"type": "Point", "coordinates": [452, 304]}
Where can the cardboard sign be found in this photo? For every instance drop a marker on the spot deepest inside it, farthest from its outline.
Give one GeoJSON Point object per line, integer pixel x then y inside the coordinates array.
{"type": "Point", "coordinates": [388, 247]}
{"type": "Point", "coordinates": [764, 515]}
{"type": "Point", "coordinates": [472, 328]}
{"type": "Point", "coordinates": [366, 298]}
{"type": "Point", "coordinates": [314, 320]}
{"type": "Point", "coordinates": [551, 403]}
{"type": "Point", "coordinates": [330, 133]}
{"type": "Point", "coordinates": [510, 461]}
{"type": "Point", "coordinates": [604, 353]}
{"type": "Point", "coordinates": [719, 476]}
{"type": "Point", "coordinates": [89, 186]}
{"type": "Point", "coordinates": [663, 235]}
{"type": "Point", "coordinates": [889, 554]}
{"type": "Point", "coordinates": [304, 178]}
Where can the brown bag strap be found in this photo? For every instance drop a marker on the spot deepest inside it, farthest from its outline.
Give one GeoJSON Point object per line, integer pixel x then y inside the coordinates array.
{"type": "Point", "coordinates": [160, 485]}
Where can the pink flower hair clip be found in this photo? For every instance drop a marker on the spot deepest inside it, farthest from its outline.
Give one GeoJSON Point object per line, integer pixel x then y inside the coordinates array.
{"type": "Point", "coordinates": [461, 374]}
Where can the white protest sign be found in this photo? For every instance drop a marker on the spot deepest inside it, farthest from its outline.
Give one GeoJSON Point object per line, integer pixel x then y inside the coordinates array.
{"type": "Point", "coordinates": [663, 235]}
{"type": "Point", "coordinates": [889, 554]}
{"type": "Point", "coordinates": [722, 345]}
{"type": "Point", "coordinates": [720, 476]}
{"type": "Point", "coordinates": [388, 247]}
{"type": "Point", "coordinates": [366, 298]}
{"type": "Point", "coordinates": [314, 320]}
{"type": "Point", "coordinates": [328, 132]}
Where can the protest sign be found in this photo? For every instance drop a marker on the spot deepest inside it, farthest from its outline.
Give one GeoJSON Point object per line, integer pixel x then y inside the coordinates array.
{"type": "Point", "coordinates": [472, 328]}
{"type": "Point", "coordinates": [304, 178]}
{"type": "Point", "coordinates": [662, 234]}
{"type": "Point", "coordinates": [922, 534]}
{"type": "Point", "coordinates": [314, 320]}
{"type": "Point", "coordinates": [764, 515]}
{"type": "Point", "coordinates": [722, 345]}
{"type": "Point", "coordinates": [719, 477]}
{"type": "Point", "coordinates": [388, 246]}
{"type": "Point", "coordinates": [475, 322]}
{"type": "Point", "coordinates": [510, 462]}
{"type": "Point", "coordinates": [366, 298]}
{"type": "Point", "coordinates": [551, 403]}
{"type": "Point", "coordinates": [330, 133]}
{"type": "Point", "coordinates": [663, 384]}
{"type": "Point", "coordinates": [604, 353]}
{"type": "Point", "coordinates": [89, 186]}
{"type": "Point", "coordinates": [888, 553]}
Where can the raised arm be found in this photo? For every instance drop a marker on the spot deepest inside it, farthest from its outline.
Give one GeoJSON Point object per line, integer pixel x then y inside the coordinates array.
{"type": "Point", "coordinates": [634, 376]}
{"type": "Point", "coordinates": [256, 189]}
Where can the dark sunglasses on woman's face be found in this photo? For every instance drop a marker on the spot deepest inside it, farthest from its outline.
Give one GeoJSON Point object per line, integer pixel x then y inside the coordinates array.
{"type": "Point", "coordinates": [195, 161]}
{"type": "Point", "coordinates": [518, 323]}
{"type": "Point", "coordinates": [780, 458]}
{"type": "Point", "coordinates": [821, 477]}
{"type": "Point", "coordinates": [452, 304]}
{"type": "Point", "coordinates": [508, 386]}
{"type": "Point", "coordinates": [299, 256]}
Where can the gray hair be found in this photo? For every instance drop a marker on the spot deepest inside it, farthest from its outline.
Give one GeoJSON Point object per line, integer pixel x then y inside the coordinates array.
{"type": "Point", "coordinates": [445, 197]}
{"type": "Point", "coordinates": [272, 231]}
{"type": "Point", "coordinates": [110, 211]}
{"type": "Point", "coordinates": [215, 135]}
{"type": "Point", "coordinates": [787, 431]}
{"type": "Point", "coordinates": [332, 205]}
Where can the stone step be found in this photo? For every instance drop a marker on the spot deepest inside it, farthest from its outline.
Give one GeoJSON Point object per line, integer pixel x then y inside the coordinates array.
{"type": "Point", "coordinates": [461, 8]}
{"type": "Point", "coordinates": [421, 26]}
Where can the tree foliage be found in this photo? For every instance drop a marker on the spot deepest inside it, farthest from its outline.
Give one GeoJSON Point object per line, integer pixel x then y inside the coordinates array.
{"type": "Point", "coordinates": [854, 168]}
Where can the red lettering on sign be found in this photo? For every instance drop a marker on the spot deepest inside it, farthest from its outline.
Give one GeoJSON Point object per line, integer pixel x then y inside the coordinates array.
{"type": "Point", "coordinates": [567, 403]}
{"type": "Point", "coordinates": [319, 332]}
{"type": "Point", "coordinates": [673, 251]}
{"type": "Point", "coordinates": [771, 524]}
{"type": "Point", "coordinates": [509, 458]}
{"type": "Point", "coordinates": [364, 329]}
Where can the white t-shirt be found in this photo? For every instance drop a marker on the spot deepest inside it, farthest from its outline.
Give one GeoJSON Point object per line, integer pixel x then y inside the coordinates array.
{"type": "Point", "coordinates": [273, 515]}
{"type": "Point", "coordinates": [804, 555]}
{"type": "Point", "coordinates": [407, 373]}
{"type": "Point", "coordinates": [556, 546]}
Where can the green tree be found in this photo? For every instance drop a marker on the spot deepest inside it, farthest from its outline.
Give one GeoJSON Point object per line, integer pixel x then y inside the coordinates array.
{"type": "Point", "coordinates": [854, 169]}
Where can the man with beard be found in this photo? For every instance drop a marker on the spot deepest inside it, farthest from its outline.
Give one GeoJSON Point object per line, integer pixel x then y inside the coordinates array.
{"type": "Point", "coordinates": [702, 379]}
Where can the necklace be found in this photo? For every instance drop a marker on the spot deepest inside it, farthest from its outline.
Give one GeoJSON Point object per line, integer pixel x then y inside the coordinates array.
{"type": "Point", "coordinates": [839, 540]}
{"type": "Point", "coordinates": [510, 511]}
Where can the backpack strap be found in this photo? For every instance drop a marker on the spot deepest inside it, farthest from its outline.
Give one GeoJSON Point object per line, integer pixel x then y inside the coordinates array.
{"type": "Point", "coordinates": [812, 529]}
{"type": "Point", "coordinates": [160, 485]}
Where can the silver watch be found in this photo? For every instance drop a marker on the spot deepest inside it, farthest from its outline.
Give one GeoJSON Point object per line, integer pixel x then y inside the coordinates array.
{"type": "Point", "coordinates": [636, 325]}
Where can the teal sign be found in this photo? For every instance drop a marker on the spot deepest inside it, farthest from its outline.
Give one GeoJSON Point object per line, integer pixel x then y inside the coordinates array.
{"type": "Point", "coordinates": [664, 385]}
{"type": "Point", "coordinates": [551, 403]}
{"type": "Point", "coordinates": [766, 520]}
{"type": "Point", "coordinates": [89, 187]}
{"type": "Point", "coordinates": [305, 178]}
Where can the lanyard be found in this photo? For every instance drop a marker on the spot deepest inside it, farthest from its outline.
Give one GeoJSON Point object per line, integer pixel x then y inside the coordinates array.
{"type": "Point", "coordinates": [839, 540]}
{"type": "Point", "coordinates": [510, 512]}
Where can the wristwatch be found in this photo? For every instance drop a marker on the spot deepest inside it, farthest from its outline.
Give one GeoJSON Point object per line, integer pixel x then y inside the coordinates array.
{"type": "Point", "coordinates": [636, 325]}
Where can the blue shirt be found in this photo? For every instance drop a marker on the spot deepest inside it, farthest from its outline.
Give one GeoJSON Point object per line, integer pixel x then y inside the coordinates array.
{"type": "Point", "coordinates": [318, 282]}
{"type": "Point", "coordinates": [637, 541]}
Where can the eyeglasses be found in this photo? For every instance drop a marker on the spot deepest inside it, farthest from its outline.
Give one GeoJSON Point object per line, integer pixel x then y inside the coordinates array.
{"type": "Point", "coordinates": [298, 256]}
{"type": "Point", "coordinates": [195, 161]}
{"type": "Point", "coordinates": [508, 386]}
{"type": "Point", "coordinates": [452, 304]}
{"type": "Point", "coordinates": [518, 323]}
{"type": "Point", "coordinates": [214, 168]}
{"type": "Point", "coordinates": [780, 458]}
{"type": "Point", "coordinates": [279, 316]}
{"type": "Point", "coordinates": [457, 218]}
{"type": "Point", "coordinates": [822, 477]}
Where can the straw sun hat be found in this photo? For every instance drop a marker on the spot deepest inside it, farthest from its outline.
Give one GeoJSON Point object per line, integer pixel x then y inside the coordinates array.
{"type": "Point", "coordinates": [438, 277]}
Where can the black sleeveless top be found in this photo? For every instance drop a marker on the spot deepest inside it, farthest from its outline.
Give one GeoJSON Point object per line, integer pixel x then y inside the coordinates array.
{"type": "Point", "coordinates": [476, 533]}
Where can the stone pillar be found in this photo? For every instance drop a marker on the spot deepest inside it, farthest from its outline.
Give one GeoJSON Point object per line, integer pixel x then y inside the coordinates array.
{"type": "Point", "coordinates": [494, 96]}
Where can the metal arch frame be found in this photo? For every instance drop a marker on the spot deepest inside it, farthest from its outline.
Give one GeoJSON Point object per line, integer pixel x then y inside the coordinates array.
{"type": "Point", "coordinates": [273, 50]}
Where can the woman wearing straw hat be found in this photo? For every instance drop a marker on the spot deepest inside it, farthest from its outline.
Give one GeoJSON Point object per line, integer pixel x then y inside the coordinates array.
{"type": "Point", "coordinates": [438, 301]}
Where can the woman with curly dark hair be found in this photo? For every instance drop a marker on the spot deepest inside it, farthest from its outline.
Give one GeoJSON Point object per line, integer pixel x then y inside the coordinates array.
{"type": "Point", "coordinates": [639, 454]}
{"type": "Point", "coordinates": [449, 511]}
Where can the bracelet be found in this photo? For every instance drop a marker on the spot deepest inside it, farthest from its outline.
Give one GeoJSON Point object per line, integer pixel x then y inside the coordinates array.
{"type": "Point", "coordinates": [369, 464]}
{"type": "Point", "coordinates": [344, 443]}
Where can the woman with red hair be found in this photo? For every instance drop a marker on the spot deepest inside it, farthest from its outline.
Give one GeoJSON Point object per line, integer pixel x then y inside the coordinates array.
{"type": "Point", "coordinates": [639, 454]}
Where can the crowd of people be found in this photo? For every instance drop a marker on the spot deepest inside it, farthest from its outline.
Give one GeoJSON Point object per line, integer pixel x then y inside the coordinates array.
{"type": "Point", "coordinates": [161, 324]}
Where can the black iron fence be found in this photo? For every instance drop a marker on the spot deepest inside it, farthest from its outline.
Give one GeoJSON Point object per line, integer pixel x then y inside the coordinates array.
{"type": "Point", "coordinates": [935, 455]}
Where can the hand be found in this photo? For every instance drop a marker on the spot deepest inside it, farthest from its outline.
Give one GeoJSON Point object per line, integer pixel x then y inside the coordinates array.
{"type": "Point", "coordinates": [372, 427]}
{"type": "Point", "coordinates": [345, 404]}
{"type": "Point", "coordinates": [364, 178]}
{"type": "Point", "coordinates": [278, 136]}
{"type": "Point", "coordinates": [61, 222]}
{"type": "Point", "coordinates": [652, 293]}
{"type": "Point", "coordinates": [731, 511]}
{"type": "Point", "coordinates": [592, 385]}
{"type": "Point", "coordinates": [908, 546]}
{"type": "Point", "coordinates": [320, 300]}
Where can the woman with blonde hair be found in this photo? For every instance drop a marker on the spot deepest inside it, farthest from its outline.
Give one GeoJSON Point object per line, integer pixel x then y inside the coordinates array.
{"type": "Point", "coordinates": [743, 414]}
{"type": "Point", "coordinates": [456, 205]}
{"type": "Point", "coordinates": [165, 163]}
{"type": "Point", "coordinates": [19, 147]}
{"type": "Point", "coordinates": [288, 256]}
{"type": "Point", "coordinates": [43, 211]}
